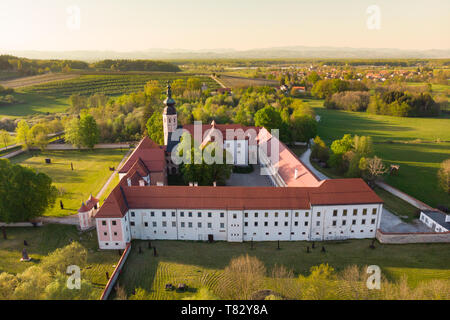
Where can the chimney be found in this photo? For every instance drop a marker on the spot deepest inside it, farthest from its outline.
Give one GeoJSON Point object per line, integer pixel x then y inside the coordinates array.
{"type": "Point", "coordinates": [296, 173]}
{"type": "Point", "coordinates": [195, 184]}
{"type": "Point", "coordinates": [447, 218]}
{"type": "Point", "coordinates": [215, 184]}
{"type": "Point", "coordinates": [129, 182]}
{"type": "Point", "coordinates": [191, 184]}
{"type": "Point", "coordinates": [142, 183]}
{"type": "Point", "coordinates": [159, 183]}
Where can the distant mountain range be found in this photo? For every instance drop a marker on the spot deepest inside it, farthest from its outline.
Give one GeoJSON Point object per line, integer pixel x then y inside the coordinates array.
{"type": "Point", "coordinates": [263, 53]}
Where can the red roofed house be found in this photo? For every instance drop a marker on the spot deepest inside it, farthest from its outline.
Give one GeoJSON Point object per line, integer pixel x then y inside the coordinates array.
{"type": "Point", "coordinates": [299, 206]}
{"type": "Point", "coordinates": [87, 212]}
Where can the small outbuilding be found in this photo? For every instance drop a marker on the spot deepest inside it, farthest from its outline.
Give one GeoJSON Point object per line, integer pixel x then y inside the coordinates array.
{"type": "Point", "coordinates": [436, 220]}
{"type": "Point", "coordinates": [87, 212]}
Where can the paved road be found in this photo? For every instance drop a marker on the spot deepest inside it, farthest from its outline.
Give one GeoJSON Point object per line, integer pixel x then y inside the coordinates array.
{"type": "Point", "coordinates": [305, 159]}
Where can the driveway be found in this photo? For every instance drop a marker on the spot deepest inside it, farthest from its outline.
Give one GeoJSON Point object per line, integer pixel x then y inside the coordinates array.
{"type": "Point", "coordinates": [253, 179]}
{"type": "Point", "coordinates": [305, 159]}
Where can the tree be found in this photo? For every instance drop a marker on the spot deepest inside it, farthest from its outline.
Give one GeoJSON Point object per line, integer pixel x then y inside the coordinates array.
{"type": "Point", "coordinates": [23, 134]}
{"type": "Point", "coordinates": [444, 176]}
{"type": "Point", "coordinates": [269, 118]}
{"type": "Point", "coordinates": [155, 128]}
{"type": "Point", "coordinates": [303, 128]}
{"type": "Point", "coordinates": [25, 193]}
{"type": "Point", "coordinates": [72, 132]}
{"type": "Point", "coordinates": [363, 145]}
{"type": "Point", "coordinates": [320, 150]}
{"type": "Point", "coordinates": [241, 278]}
{"type": "Point", "coordinates": [375, 168]}
{"type": "Point", "coordinates": [89, 132]}
{"type": "Point", "coordinates": [39, 136]}
{"type": "Point", "coordinates": [193, 84]}
{"type": "Point", "coordinates": [153, 91]}
{"type": "Point", "coordinates": [5, 137]}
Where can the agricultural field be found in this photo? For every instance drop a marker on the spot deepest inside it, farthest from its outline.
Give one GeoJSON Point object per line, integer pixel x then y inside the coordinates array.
{"type": "Point", "coordinates": [418, 145]}
{"type": "Point", "coordinates": [108, 84]}
{"type": "Point", "coordinates": [34, 104]}
{"type": "Point", "coordinates": [200, 264]}
{"type": "Point", "coordinates": [243, 82]}
{"type": "Point", "coordinates": [91, 171]}
{"type": "Point", "coordinates": [36, 80]}
{"type": "Point", "coordinates": [44, 240]}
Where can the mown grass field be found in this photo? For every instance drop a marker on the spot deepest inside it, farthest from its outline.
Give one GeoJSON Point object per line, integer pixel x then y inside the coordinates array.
{"type": "Point", "coordinates": [200, 264]}
{"type": "Point", "coordinates": [91, 171]}
{"type": "Point", "coordinates": [413, 143]}
{"type": "Point", "coordinates": [243, 82]}
{"type": "Point", "coordinates": [34, 104]}
{"type": "Point", "coordinates": [46, 239]}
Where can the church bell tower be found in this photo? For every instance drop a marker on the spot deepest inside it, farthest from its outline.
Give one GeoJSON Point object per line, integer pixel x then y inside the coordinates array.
{"type": "Point", "coordinates": [170, 122]}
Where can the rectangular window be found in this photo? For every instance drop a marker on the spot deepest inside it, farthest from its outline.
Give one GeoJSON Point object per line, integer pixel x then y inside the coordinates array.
{"type": "Point", "coordinates": [222, 214]}
{"type": "Point", "coordinates": [296, 223]}
{"type": "Point", "coordinates": [266, 223]}
{"type": "Point", "coordinates": [182, 224]}
{"type": "Point", "coordinates": [276, 214]}
{"type": "Point", "coordinates": [245, 224]}
{"type": "Point", "coordinates": [344, 222]}
{"type": "Point", "coordinates": [163, 213]}
{"type": "Point", "coordinates": [318, 214]}
{"type": "Point", "coordinates": [334, 223]}
{"type": "Point", "coordinates": [209, 214]}
{"type": "Point", "coordinates": [181, 214]}
{"type": "Point", "coordinates": [373, 221]}
{"type": "Point", "coordinates": [209, 225]}
{"type": "Point", "coordinates": [199, 214]}
{"type": "Point", "coordinates": [363, 221]}
{"type": "Point", "coordinates": [199, 224]}
{"type": "Point", "coordinates": [364, 212]}
{"type": "Point", "coordinates": [318, 223]}
{"type": "Point", "coordinates": [190, 214]}
{"type": "Point", "coordinates": [344, 213]}
{"type": "Point", "coordinates": [132, 213]}
{"type": "Point", "coordinates": [275, 223]}
{"type": "Point", "coordinates": [173, 213]}
{"type": "Point", "coordinates": [355, 212]}
{"type": "Point", "coordinates": [103, 223]}
{"type": "Point", "coordinates": [164, 224]}
{"type": "Point", "coordinates": [132, 223]}
{"type": "Point", "coordinates": [234, 216]}
{"type": "Point", "coordinates": [256, 223]}
{"type": "Point", "coordinates": [222, 225]}
{"type": "Point", "coordinates": [174, 224]}
{"type": "Point", "coordinates": [114, 222]}
{"type": "Point", "coordinates": [296, 214]}
{"type": "Point", "coordinates": [306, 214]}
{"type": "Point", "coordinates": [154, 224]}
{"type": "Point", "coordinates": [374, 211]}
{"type": "Point", "coordinates": [190, 224]}
{"type": "Point", "coordinates": [152, 214]}
{"type": "Point", "coordinates": [334, 213]}
{"type": "Point", "coordinates": [256, 214]}
{"type": "Point", "coordinates": [286, 214]}
{"type": "Point", "coordinates": [246, 215]}
{"type": "Point", "coordinates": [266, 214]}
{"type": "Point", "coordinates": [306, 223]}
{"type": "Point", "coordinates": [105, 233]}
{"type": "Point", "coordinates": [353, 222]}
{"type": "Point", "coordinates": [145, 224]}
{"type": "Point", "coordinates": [286, 223]}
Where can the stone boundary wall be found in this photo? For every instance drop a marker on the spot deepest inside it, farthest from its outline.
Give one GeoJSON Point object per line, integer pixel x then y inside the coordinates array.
{"type": "Point", "coordinates": [67, 146]}
{"type": "Point", "coordinates": [116, 273]}
{"type": "Point", "coordinates": [406, 197]}
{"type": "Point", "coordinates": [416, 237]}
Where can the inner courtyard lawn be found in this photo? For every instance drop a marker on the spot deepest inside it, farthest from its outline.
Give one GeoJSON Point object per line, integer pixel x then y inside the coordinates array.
{"type": "Point", "coordinates": [418, 145]}
{"type": "Point", "coordinates": [200, 264]}
{"type": "Point", "coordinates": [44, 240]}
{"type": "Point", "coordinates": [91, 171]}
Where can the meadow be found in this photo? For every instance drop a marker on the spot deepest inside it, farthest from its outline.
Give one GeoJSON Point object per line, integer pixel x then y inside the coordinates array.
{"type": "Point", "coordinates": [91, 171]}
{"type": "Point", "coordinates": [200, 264]}
{"type": "Point", "coordinates": [243, 82]}
{"type": "Point", "coordinates": [418, 145]}
{"type": "Point", "coordinates": [44, 240]}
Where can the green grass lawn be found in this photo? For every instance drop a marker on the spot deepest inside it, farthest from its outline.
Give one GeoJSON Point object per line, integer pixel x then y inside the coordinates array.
{"type": "Point", "coordinates": [200, 264]}
{"type": "Point", "coordinates": [34, 104]}
{"type": "Point", "coordinates": [46, 239]}
{"type": "Point", "coordinates": [409, 142]}
{"type": "Point", "coordinates": [91, 171]}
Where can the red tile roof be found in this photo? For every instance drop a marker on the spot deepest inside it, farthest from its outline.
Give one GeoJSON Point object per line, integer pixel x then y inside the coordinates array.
{"type": "Point", "coordinates": [331, 192]}
{"type": "Point", "coordinates": [151, 154]}
{"type": "Point", "coordinates": [90, 203]}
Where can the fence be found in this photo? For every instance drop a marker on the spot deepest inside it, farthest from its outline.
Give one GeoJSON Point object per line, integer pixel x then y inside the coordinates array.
{"type": "Point", "coordinates": [416, 237]}
{"type": "Point", "coordinates": [116, 273]}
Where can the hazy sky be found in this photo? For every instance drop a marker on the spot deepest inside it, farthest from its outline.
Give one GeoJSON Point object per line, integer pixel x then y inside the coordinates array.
{"type": "Point", "coordinates": [128, 25]}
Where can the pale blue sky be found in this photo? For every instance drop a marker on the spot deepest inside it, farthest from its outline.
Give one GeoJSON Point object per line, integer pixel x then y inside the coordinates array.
{"type": "Point", "coordinates": [128, 25]}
